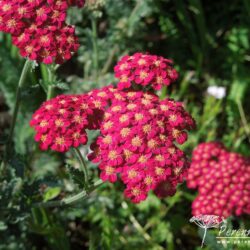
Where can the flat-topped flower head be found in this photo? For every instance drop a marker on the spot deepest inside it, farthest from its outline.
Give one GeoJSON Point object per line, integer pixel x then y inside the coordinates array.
{"type": "Point", "coordinates": [222, 179]}
{"type": "Point", "coordinates": [39, 28]}
{"type": "Point", "coordinates": [61, 122]}
{"type": "Point", "coordinates": [145, 70]}
{"type": "Point", "coordinates": [138, 143]}
{"type": "Point", "coordinates": [103, 96]}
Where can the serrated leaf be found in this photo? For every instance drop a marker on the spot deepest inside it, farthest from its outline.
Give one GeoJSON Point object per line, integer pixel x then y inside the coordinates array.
{"type": "Point", "coordinates": [77, 176]}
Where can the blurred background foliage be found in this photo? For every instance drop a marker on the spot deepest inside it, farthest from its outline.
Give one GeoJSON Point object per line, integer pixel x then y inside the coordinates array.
{"type": "Point", "coordinates": [209, 43]}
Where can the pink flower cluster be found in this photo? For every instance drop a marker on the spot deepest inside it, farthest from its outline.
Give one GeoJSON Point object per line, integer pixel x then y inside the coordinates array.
{"type": "Point", "coordinates": [222, 179]}
{"type": "Point", "coordinates": [137, 141]}
{"type": "Point", "coordinates": [39, 29]}
{"type": "Point", "coordinates": [138, 136]}
{"type": "Point", "coordinates": [61, 122]}
{"type": "Point", "coordinates": [139, 132]}
{"type": "Point", "coordinates": [145, 70]}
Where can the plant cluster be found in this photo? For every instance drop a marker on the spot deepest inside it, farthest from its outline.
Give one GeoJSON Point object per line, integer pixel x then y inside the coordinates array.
{"type": "Point", "coordinates": [39, 29]}
{"type": "Point", "coordinates": [138, 132]}
{"type": "Point", "coordinates": [62, 122]}
{"type": "Point", "coordinates": [137, 141]}
{"type": "Point", "coordinates": [145, 70]}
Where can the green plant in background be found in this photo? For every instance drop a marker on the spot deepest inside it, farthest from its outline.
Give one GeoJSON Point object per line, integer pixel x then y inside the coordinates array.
{"type": "Point", "coordinates": [209, 41]}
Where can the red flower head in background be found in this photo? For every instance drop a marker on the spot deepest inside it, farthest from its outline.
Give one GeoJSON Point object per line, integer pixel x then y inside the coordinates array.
{"type": "Point", "coordinates": [137, 141]}
{"type": "Point", "coordinates": [145, 70]}
{"type": "Point", "coordinates": [222, 179]}
{"type": "Point", "coordinates": [38, 28]}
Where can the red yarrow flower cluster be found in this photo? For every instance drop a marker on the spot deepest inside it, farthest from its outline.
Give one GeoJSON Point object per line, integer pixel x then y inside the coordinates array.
{"type": "Point", "coordinates": [61, 122]}
{"type": "Point", "coordinates": [222, 179]}
{"type": "Point", "coordinates": [145, 70]}
{"type": "Point", "coordinates": [138, 141]}
{"type": "Point", "coordinates": [103, 97]}
{"type": "Point", "coordinates": [39, 29]}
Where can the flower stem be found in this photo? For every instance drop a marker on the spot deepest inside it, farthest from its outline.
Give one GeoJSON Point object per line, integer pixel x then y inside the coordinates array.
{"type": "Point", "coordinates": [50, 92]}
{"type": "Point", "coordinates": [83, 167]}
{"type": "Point", "coordinates": [136, 224]}
{"type": "Point", "coordinates": [21, 82]}
{"type": "Point", "coordinates": [243, 119]}
{"type": "Point", "coordinates": [72, 199]}
{"type": "Point", "coordinates": [95, 47]}
{"type": "Point", "coordinates": [2, 167]}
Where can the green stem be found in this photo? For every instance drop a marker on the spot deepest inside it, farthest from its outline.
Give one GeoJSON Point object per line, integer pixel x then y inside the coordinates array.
{"type": "Point", "coordinates": [243, 119]}
{"type": "Point", "coordinates": [95, 47]}
{"type": "Point", "coordinates": [2, 167]}
{"type": "Point", "coordinates": [164, 92]}
{"type": "Point", "coordinates": [110, 60]}
{"type": "Point", "coordinates": [83, 167]}
{"type": "Point", "coordinates": [134, 13]}
{"type": "Point", "coordinates": [136, 224]}
{"type": "Point", "coordinates": [21, 82]}
{"type": "Point", "coordinates": [50, 92]}
{"type": "Point", "coordinates": [72, 199]}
